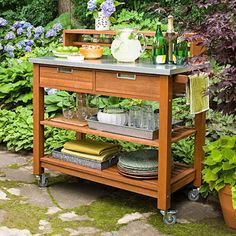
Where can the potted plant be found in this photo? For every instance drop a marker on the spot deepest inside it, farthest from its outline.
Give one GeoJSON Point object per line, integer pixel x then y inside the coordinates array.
{"type": "Point", "coordinates": [219, 174]}
{"type": "Point", "coordinates": [102, 11]}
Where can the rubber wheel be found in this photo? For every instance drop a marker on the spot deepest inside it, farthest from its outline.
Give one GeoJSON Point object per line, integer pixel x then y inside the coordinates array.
{"type": "Point", "coordinates": [169, 219]}
{"type": "Point", "coordinates": [43, 182]}
{"type": "Point", "coordinates": [194, 195]}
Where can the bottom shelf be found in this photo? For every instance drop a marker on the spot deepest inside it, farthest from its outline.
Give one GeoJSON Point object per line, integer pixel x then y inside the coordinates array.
{"type": "Point", "coordinates": [181, 176]}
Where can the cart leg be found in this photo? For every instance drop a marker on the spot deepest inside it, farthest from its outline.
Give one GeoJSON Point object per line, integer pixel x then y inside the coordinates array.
{"type": "Point", "coordinates": [43, 180]}
{"type": "Point", "coordinates": [164, 157]}
{"type": "Point", "coordinates": [38, 103]}
{"type": "Point", "coordinates": [200, 126]}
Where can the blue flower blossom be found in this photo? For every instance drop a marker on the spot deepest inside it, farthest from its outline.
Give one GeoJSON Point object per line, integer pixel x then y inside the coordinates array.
{"type": "Point", "coordinates": [29, 42]}
{"type": "Point", "coordinates": [20, 31]}
{"type": "Point", "coordinates": [28, 49]}
{"type": "Point", "coordinates": [9, 36]}
{"type": "Point", "coordinates": [92, 5]}
{"type": "Point", "coordinates": [36, 36]}
{"type": "Point", "coordinates": [9, 48]}
{"type": "Point", "coordinates": [17, 24]}
{"type": "Point", "coordinates": [51, 33]}
{"type": "Point", "coordinates": [3, 22]}
{"type": "Point", "coordinates": [11, 54]}
{"type": "Point", "coordinates": [108, 8]}
{"type": "Point", "coordinates": [39, 30]}
{"type": "Point", "coordinates": [29, 34]}
{"type": "Point", "coordinates": [27, 25]}
{"type": "Point", "coordinates": [57, 27]}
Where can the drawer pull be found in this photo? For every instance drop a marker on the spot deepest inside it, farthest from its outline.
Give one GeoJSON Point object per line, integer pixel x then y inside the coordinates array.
{"type": "Point", "coordinates": [65, 70]}
{"type": "Point", "coordinates": [126, 76]}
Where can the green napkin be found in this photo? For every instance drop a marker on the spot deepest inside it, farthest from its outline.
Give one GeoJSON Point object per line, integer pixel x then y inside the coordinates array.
{"type": "Point", "coordinates": [196, 93]}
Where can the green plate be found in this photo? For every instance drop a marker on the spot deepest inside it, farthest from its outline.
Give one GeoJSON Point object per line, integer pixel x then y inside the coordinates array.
{"type": "Point", "coordinates": [146, 159]}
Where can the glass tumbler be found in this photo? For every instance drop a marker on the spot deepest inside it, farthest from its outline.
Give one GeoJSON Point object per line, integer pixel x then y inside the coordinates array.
{"type": "Point", "coordinates": [81, 107]}
{"type": "Point", "coordinates": [150, 118]}
{"type": "Point", "coordinates": [68, 107]}
{"type": "Point", "coordinates": [135, 117]}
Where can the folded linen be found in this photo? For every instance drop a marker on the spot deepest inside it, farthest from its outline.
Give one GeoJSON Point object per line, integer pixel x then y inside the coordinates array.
{"type": "Point", "coordinates": [100, 158]}
{"type": "Point", "coordinates": [196, 93]}
{"type": "Point", "coordinates": [91, 147]}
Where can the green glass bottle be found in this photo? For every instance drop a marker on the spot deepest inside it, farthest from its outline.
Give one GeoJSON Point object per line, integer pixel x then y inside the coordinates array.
{"type": "Point", "coordinates": [159, 47]}
{"type": "Point", "coordinates": [181, 51]}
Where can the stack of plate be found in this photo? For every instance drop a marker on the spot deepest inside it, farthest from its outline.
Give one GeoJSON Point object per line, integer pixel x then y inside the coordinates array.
{"type": "Point", "coordinates": [142, 164]}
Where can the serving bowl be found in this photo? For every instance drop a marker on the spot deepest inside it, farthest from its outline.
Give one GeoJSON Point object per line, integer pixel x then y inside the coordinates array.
{"type": "Point", "coordinates": [91, 52]}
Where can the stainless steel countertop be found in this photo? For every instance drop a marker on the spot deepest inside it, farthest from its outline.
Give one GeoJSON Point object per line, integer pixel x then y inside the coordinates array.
{"type": "Point", "coordinates": [109, 63]}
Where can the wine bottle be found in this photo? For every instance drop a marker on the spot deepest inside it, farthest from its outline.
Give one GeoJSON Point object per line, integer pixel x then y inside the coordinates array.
{"type": "Point", "coordinates": [159, 47]}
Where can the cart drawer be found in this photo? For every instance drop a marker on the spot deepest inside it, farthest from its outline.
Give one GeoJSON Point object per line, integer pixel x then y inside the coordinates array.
{"type": "Point", "coordinates": [128, 84]}
{"type": "Point", "coordinates": [66, 78]}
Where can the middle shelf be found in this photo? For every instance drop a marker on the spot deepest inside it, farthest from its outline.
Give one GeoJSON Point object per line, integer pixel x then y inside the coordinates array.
{"type": "Point", "coordinates": [177, 134]}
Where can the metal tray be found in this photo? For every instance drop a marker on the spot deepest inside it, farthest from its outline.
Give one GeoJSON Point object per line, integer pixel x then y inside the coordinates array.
{"type": "Point", "coordinates": [93, 123]}
{"type": "Point", "coordinates": [83, 161]}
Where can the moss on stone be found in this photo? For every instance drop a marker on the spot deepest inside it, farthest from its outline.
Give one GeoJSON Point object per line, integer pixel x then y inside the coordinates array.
{"type": "Point", "coordinates": [207, 227]}
{"type": "Point", "coordinates": [9, 184]}
{"type": "Point", "coordinates": [14, 166]}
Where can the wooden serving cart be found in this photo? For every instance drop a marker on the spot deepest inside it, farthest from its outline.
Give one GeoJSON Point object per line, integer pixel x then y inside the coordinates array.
{"type": "Point", "coordinates": [141, 81]}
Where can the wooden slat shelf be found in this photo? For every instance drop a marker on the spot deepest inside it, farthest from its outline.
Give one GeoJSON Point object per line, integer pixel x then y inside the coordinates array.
{"type": "Point", "coordinates": [178, 133]}
{"type": "Point", "coordinates": [181, 175]}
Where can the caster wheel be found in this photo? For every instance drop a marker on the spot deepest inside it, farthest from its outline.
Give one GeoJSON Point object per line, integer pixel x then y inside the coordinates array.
{"type": "Point", "coordinates": [169, 219]}
{"type": "Point", "coordinates": [43, 181]}
{"type": "Point", "coordinates": [194, 195]}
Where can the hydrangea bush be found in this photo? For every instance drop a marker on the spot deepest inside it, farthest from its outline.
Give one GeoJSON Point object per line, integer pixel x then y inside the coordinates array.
{"type": "Point", "coordinates": [22, 37]}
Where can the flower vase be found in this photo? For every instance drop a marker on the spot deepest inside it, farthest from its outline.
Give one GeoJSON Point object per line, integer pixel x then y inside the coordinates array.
{"type": "Point", "coordinates": [102, 22]}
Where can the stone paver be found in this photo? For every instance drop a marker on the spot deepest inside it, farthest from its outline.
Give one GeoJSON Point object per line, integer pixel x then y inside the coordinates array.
{"type": "Point", "coordinates": [45, 227]}
{"type": "Point", "coordinates": [14, 191]}
{"type": "Point", "coordinates": [82, 193]}
{"type": "Point", "coordinates": [72, 216]}
{"type": "Point", "coordinates": [130, 217]}
{"type": "Point", "coordinates": [8, 158]}
{"type": "Point", "coordinates": [82, 230]}
{"type": "Point", "coordinates": [5, 231]}
{"type": "Point", "coordinates": [195, 211]}
{"type": "Point", "coordinates": [36, 196]}
{"type": "Point", "coordinates": [137, 228]}
{"type": "Point", "coordinates": [3, 195]}
{"type": "Point", "coordinates": [21, 175]}
{"type": "Point", "coordinates": [53, 210]}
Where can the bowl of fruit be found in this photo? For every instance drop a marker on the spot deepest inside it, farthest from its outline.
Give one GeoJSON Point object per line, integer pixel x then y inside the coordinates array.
{"type": "Point", "coordinates": [64, 51]}
{"type": "Point", "coordinates": [91, 51]}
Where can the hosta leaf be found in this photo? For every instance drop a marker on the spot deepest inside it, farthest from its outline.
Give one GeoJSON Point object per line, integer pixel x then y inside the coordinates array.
{"type": "Point", "coordinates": [234, 196]}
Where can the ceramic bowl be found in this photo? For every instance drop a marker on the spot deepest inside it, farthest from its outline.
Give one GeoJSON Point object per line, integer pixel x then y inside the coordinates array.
{"type": "Point", "coordinates": [91, 52]}
{"type": "Point", "coordinates": [115, 119]}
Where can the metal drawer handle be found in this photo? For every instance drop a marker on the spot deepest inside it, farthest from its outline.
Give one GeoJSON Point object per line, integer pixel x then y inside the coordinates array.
{"type": "Point", "coordinates": [126, 76]}
{"type": "Point", "coordinates": [65, 70]}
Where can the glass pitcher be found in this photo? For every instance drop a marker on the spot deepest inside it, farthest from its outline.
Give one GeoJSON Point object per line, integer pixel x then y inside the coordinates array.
{"type": "Point", "coordinates": [126, 47]}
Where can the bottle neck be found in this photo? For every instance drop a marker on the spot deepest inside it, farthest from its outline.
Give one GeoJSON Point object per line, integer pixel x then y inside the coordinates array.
{"type": "Point", "coordinates": [158, 31]}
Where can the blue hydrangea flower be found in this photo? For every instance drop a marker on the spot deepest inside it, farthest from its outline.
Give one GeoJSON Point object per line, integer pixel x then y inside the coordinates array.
{"type": "Point", "coordinates": [20, 31]}
{"type": "Point", "coordinates": [28, 49]}
{"type": "Point", "coordinates": [39, 30]}
{"type": "Point", "coordinates": [36, 36]}
{"type": "Point", "coordinates": [11, 54]}
{"type": "Point", "coordinates": [3, 22]}
{"type": "Point", "coordinates": [17, 24]}
{"type": "Point", "coordinates": [29, 34]}
{"type": "Point", "coordinates": [19, 46]}
{"type": "Point", "coordinates": [9, 36]}
{"type": "Point", "coordinates": [22, 43]}
{"type": "Point", "coordinates": [57, 27]}
{"type": "Point", "coordinates": [92, 5]}
{"type": "Point", "coordinates": [27, 25]}
{"type": "Point", "coordinates": [108, 8]}
{"type": "Point", "coordinates": [9, 48]}
{"type": "Point", "coordinates": [29, 42]}
{"type": "Point", "coordinates": [51, 33]}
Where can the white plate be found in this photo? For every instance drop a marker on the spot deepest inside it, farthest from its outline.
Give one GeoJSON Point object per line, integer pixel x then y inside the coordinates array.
{"type": "Point", "coordinates": [60, 54]}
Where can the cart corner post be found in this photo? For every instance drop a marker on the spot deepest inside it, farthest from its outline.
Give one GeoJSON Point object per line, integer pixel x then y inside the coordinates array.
{"type": "Point", "coordinates": [164, 158]}
{"type": "Point", "coordinates": [200, 126]}
{"type": "Point", "coordinates": [38, 106]}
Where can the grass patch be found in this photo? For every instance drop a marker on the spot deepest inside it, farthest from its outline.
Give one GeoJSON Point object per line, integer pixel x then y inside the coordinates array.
{"type": "Point", "coordinates": [14, 166]}
{"type": "Point", "coordinates": [9, 184]}
{"type": "Point", "coordinates": [108, 210]}
{"type": "Point", "coordinates": [210, 227]}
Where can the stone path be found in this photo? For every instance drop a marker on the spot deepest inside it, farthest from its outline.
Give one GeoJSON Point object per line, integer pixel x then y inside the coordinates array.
{"type": "Point", "coordinates": [77, 207]}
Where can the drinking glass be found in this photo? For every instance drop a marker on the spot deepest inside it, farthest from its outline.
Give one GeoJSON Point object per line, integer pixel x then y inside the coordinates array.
{"type": "Point", "coordinates": [148, 118]}
{"type": "Point", "coordinates": [68, 107]}
{"type": "Point", "coordinates": [81, 107]}
{"type": "Point", "coordinates": [135, 117]}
